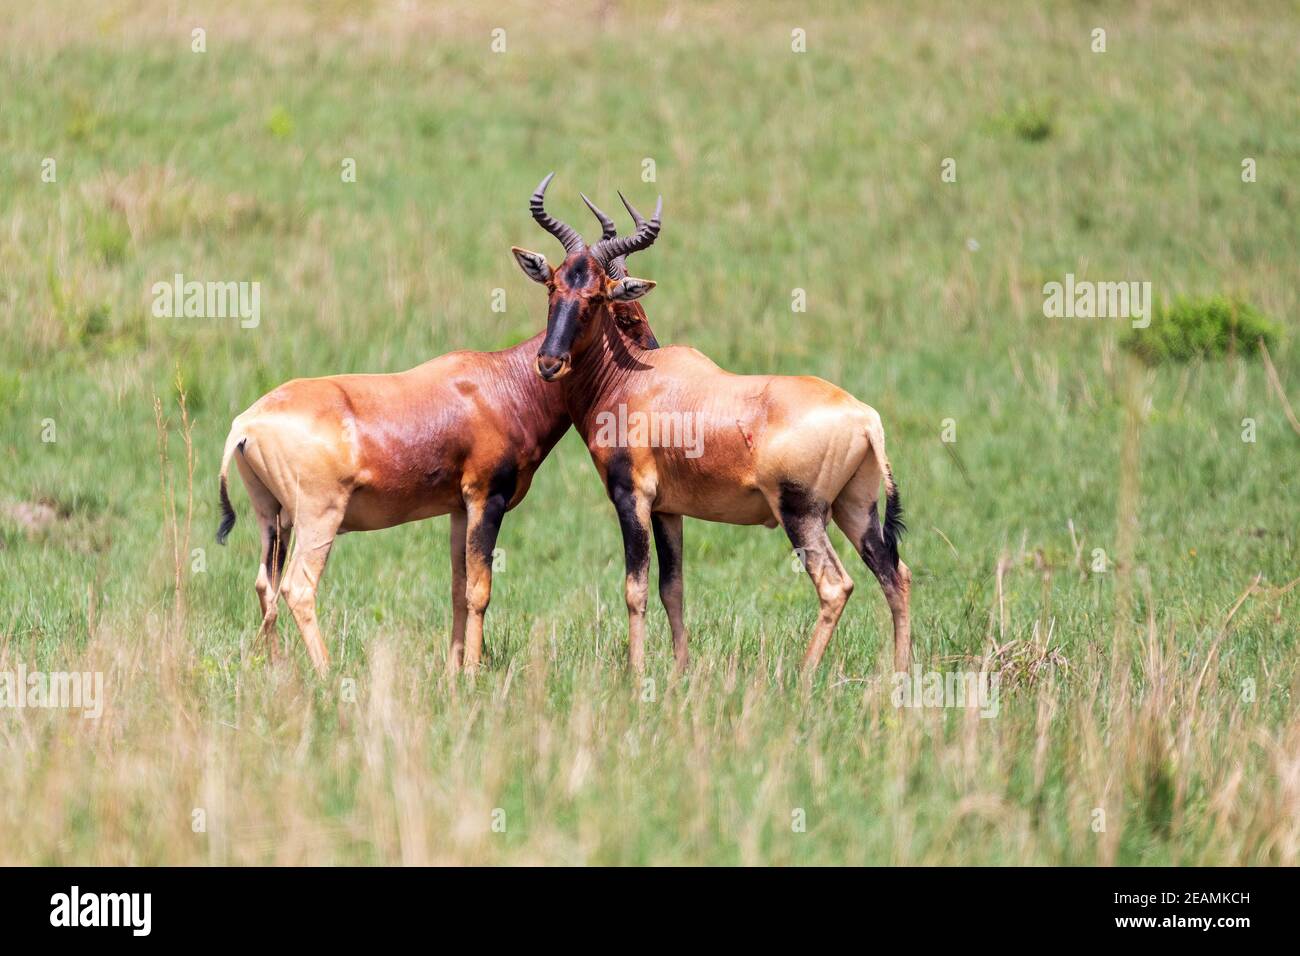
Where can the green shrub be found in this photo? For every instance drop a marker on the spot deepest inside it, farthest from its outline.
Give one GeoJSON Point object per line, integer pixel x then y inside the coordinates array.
{"type": "Point", "coordinates": [1192, 328]}
{"type": "Point", "coordinates": [1031, 121]}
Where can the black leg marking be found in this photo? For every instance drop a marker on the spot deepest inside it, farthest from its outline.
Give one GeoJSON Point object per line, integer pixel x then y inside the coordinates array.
{"type": "Point", "coordinates": [636, 543]}
{"type": "Point", "coordinates": [501, 489]}
{"type": "Point", "coordinates": [670, 562]}
{"type": "Point", "coordinates": [802, 515]}
{"type": "Point", "coordinates": [281, 536]}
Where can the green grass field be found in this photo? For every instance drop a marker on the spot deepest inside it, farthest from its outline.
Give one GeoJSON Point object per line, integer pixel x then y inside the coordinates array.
{"type": "Point", "coordinates": [1148, 711]}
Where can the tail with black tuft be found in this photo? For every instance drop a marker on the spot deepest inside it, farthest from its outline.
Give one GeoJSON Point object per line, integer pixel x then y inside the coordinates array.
{"type": "Point", "coordinates": [227, 512]}
{"type": "Point", "coordinates": [894, 525]}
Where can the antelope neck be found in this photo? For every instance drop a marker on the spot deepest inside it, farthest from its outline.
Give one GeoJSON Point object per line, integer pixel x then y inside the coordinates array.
{"type": "Point", "coordinates": [602, 371]}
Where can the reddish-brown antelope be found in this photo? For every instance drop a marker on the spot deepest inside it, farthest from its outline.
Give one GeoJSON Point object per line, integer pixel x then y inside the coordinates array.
{"type": "Point", "coordinates": [766, 449]}
{"type": "Point", "coordinates": [462, 434]}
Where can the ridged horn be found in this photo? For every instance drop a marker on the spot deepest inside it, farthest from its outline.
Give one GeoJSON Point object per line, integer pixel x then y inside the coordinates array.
{"type": "Point", "coordinates": [615, 268]}
{"type": "Point", "coordinates": [567, 235]}
{"type": "Point", "coordinates": [647, 231]}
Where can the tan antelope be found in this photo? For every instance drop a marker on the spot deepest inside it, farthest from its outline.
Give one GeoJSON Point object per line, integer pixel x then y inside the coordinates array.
{"type": "Point", "coordinates": [462, 434]}
{"type": "Point", "coordinates": [793, 451]}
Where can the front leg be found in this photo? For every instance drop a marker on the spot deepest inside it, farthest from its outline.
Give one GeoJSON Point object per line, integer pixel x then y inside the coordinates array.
{"type": "Point", "coordinates": [483, 523]}
{"type": "Point", "coordinates": [668, 548]}
{"type": "Point", "coordinates": [634, 520]}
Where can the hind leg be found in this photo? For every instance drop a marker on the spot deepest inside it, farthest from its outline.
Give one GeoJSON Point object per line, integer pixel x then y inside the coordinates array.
{"type": "Point", "coordinates": [804, 520]}
{"type": "Point", "coordinates": [273, 526]}
{"type": "Point", "coordinates": [854, 512]}
{"type": "Point", "coordinates": [668, 547]}
{"type": "Point", "coordinates": [275, 551]}
{"type": "Point", "coordinates": [313, 538]}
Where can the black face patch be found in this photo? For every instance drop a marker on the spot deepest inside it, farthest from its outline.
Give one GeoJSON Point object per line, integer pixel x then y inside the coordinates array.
{"type": "Point", "coordinates": [576, 274]}
{"type": "Point", "coordinates": [561, 327]}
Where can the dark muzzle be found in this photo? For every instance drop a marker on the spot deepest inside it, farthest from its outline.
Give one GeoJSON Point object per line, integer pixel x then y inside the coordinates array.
{"type": "Point", "coordinates": [552, 367]}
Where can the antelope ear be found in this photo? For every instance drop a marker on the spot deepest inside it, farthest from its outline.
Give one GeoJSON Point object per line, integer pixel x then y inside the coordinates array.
{"type": "Point", "coordinates": [533, 263]}
{"type": "Point", "coordinates": [629, 288]}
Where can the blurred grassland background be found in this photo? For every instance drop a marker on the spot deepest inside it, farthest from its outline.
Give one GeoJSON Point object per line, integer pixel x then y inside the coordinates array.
{"type": "Point", "coordinates": [1149, 691]}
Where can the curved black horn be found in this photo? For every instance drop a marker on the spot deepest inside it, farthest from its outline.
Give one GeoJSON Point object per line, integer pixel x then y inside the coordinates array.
{"type": "Point", "coordinates": [616, 268]}
{"type": "Point", "coordinates": [567, 235]}
{"type": "Point", "coordinates": [637, 218]}
{"type": "Point", "coordinates": [647, 231]}
{"type": "Point", "coordinates": [607, 228]}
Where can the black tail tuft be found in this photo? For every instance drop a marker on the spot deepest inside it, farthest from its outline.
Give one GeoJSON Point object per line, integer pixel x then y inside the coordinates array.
{"type": "Point", "coordinates": [227, 514]}
{"type": "Point", "coordinates": [894, 525]}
